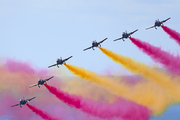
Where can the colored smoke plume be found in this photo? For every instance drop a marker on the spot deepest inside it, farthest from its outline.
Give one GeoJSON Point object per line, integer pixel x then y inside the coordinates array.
{"type": "Point", "coordinates": [171, 87]}
{"type": "Point", "coordinates": [145, 94]}
{"type": "Point", "coordinates": [65, 97]}
{"type": "Point", "coordinates": [41, 113]}
{"type": "Point", "coordinates": [15, 66]}
{"type": "Point", "coordinates": [93, 77]}
{"type": "Point", "coordinates": [173, 34]}
{"type": "Point", "coordinates": [57, 110]}
{"type": "Point", "coordinates": [16, 76]}
{"type": "Point", "coordinates": [141, 69]}
{"type": "Point", "coordinates": [155, 101]}
{"type": "Point", "coordinates": [158, 55]}
{"type": "Point", "coordinates": [123, 109]}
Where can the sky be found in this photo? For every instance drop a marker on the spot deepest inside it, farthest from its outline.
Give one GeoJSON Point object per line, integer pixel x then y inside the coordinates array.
{"type": "Point", "coordinates": [40, 31]}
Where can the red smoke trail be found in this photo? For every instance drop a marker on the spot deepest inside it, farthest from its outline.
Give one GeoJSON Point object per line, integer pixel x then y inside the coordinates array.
{"type": "Point", "coordinates": [57, 109]}
{"type": "Point", "coordinates": [123, 109]}
{"type": "Point", "coordinates": [41, 113]}
{"type": "Point", "coordinates": [65, 97]}
{"type": "Point", "coordinates": [168, 60]}
{"type": "Point", "coordinates": [173, 34]}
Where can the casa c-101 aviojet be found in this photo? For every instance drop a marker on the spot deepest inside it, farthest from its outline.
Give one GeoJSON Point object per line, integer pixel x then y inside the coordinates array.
{"type": "Point", "coordinates": [23, 102]}
{"type": "Point", "coordinates": [95, 44]}
{"type": "Point", "coordinates": [158, 23]}
{"type": "Point", "coordinates": [126, 35]}
{"type": "Point", "coordinates": [60, 62]}
{"type": "Point", "coordinates": [41, 82]}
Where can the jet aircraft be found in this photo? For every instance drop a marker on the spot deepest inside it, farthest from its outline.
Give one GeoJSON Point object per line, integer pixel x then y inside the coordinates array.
{"type": "Point", "coordinates": [126, 35]}
{"type": "Point", "coordinates": [23, 102]}
{"type": "Point", "coordinates": [60, 62]}
{"type": "Point", "coordinates": [41, 82]}
{"type": "Point", "coordinates": [95, 44]}
{"type": "Point", "coordinates": [158, 23]}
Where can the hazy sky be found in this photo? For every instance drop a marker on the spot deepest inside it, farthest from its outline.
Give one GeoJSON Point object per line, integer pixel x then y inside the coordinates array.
{"type": "Point", "coordinates": [40, 31]}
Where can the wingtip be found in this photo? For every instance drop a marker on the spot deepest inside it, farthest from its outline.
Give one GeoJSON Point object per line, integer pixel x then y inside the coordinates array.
{"type": "Point", "coordinates": [33, 98]}
{"type": "Point", "coordinates": [117, 39]}
{"type": "Point", "coordinates": [149, 27]}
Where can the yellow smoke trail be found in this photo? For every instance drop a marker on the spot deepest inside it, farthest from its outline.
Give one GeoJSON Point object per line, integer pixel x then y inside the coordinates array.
{"type": "Point", "coordinates": [162, 79]}
{"type": "Point", "coordinates": [91, 76]}
{"type": "Point", "coordinates": [147, 94]}
{"type": "Point", "coordinates": [140, 68]}
{"type": "Point", "coordinates": [91, 91]}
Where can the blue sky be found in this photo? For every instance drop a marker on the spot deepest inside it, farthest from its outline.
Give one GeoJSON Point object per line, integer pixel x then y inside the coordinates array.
{"type": "Point", "coordinates": [40, 31]}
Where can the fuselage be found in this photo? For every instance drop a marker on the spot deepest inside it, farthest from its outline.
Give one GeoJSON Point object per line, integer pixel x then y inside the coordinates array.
{"type": "Point", "coordinates": [125, 35]}
{"type": "Point", "coordinates": [23, 102]}
{"type": "Point", "coordinates": [41, 82]}
{"type": "Point", "coordinates": [157, 23]}
{"type": "Point", "coordinates": [94, 44]}
{"type": "Point", "coordinates": [59, 61]}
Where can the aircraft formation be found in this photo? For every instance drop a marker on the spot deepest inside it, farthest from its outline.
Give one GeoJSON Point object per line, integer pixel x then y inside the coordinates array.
{"type": "Point", "coordinates": [61, 61]}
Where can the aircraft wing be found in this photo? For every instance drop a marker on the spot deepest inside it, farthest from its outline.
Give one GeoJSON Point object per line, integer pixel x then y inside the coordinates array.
{"type": "Point", "coordinates": [133, 32]}
{"type": "Point", "coordinates": [52, 65]}
{"type": "Point", "coordinates": [118, 39]}
{"type": "Point", "coordinates": [102, 40]}
{"type": "Point", "coordinates": [33, 85]}
{"type": "Point", "coordinates": [150, 27]}
{"type": "Point", "coordinates": [15, 105]}
{"type": "Point", "coordinates": [49, 78]}
{"type": "Point", "coordinates": [67, 58]}
{"type": "Point", "coordinates": [165, 20]}
{"type": "Point", "coordinates": [30, 99]}
{"type": "Point", "coordinates": [87, 48]}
